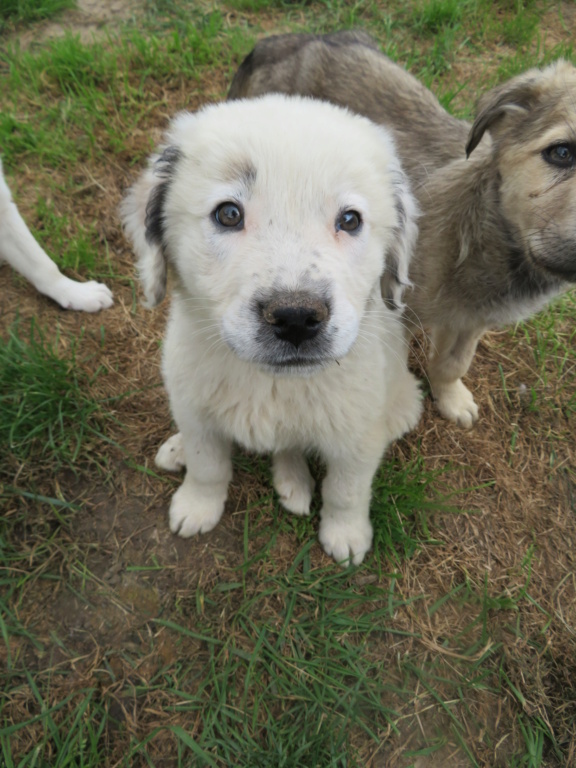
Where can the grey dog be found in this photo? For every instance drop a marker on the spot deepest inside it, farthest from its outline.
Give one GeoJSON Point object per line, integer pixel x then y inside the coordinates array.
{"type": "Point", "coordinates": [498, 198]}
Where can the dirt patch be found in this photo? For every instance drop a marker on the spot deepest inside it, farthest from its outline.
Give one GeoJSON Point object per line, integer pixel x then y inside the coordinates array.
{"type": "Point", "coordinates": [90, 20]}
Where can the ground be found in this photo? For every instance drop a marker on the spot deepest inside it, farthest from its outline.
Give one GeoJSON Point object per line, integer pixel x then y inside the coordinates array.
{"type": "Point", "coordinates": [492, 582]}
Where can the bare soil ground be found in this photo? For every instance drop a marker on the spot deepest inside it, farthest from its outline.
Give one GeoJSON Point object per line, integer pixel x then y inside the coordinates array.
{"type": "Point", "coordinates": [515, 471]}
{"type": "Point", "coordinates": [90, 20]}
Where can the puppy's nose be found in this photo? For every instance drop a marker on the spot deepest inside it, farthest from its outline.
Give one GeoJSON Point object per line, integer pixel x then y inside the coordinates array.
{"type": "Point", "coordinates": [296, 317]}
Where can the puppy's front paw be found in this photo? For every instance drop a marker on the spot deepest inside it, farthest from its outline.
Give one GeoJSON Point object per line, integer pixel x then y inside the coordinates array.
{"type": "Point", "coordinates": [293, 482]}
{"type": "Point", "coordinates": [170, 456]}
{"type": "Point", "coordinates": [192, 513]}
{"type": "Point", "coordinates": [346, 541]}
{"type": "Point", "coordinates": [83, 297]}
{"type": "Point", "coordinates": [455, 402]}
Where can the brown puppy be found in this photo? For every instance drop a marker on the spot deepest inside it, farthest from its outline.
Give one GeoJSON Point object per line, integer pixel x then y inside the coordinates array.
{"type": "Point", "coordinates": [498, 197]}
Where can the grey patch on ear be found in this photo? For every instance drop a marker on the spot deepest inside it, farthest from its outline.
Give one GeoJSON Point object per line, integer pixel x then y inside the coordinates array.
{"type": "Point", "coordinates": [517, 95]}
{"type": "Point", "coordinates": [164, 169]}
{"type": "Point", "coordinates": [156, 280]}
{"type": "Point", "coordinates": [394, 280]}
{"type": "Point", "coordinates": [389, 287]}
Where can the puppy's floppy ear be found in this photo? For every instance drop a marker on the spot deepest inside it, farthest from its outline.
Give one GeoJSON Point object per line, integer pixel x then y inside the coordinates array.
{"type": "Point", "coordinates": [394, 279]}
{"type": "Point", "coordinates": [515, 96]}
{"type": "Point", "coordinates": [144, 222]}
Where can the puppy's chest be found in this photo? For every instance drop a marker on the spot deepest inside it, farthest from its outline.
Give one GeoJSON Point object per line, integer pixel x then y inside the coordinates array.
{"type": "Point", "coordinates": [271, 414]}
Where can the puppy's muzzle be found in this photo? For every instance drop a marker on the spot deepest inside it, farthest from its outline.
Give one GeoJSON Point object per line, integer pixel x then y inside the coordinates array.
{"type": "Point", "coordinates": [295, 317]}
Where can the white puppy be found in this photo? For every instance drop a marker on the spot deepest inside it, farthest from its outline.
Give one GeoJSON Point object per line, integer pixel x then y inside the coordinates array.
{"type": "Point", "coordinates": [19, 248]}
{"type": "Point", "coordinates": [280, 218]}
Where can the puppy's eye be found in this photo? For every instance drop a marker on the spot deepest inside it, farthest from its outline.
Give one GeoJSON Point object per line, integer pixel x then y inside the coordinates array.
{"type": "Point", "coordinates": [229, 215]}
{"type": "Point", "coordinates": [560, 155]}
{"type": "Point", "coordinates": [348, 221]}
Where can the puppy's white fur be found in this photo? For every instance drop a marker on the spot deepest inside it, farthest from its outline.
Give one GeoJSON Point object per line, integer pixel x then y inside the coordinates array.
{"type": "Point", "coordinates": [19, 249]}
{"type": "Point", "coordinates": [292, 166]}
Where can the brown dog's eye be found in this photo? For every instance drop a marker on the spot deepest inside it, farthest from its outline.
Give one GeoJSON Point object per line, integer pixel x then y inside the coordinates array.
{"type": "Point", "coordinates": [560, 155]}
{"type": "Point", "coordinates": [229, 215]}
{"type": "Point", "coordinates": [349, 221]}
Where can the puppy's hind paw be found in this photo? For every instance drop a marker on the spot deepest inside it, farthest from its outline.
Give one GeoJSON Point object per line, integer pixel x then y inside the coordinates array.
{"type": "Point", "coordinates": [293, 482]}
{"type": "Point", "coordinates": [347, 542]}
{"type": "Point", "coordinates": [191, 514]}
{"type": "Point", "coordinates": [170, 456]}
{"type": "Point", "coordinates": [455, 402]}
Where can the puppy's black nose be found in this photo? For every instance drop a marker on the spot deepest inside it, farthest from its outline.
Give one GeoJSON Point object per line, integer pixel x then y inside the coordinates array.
{"type": "Point", "coordinates": [295, 317]}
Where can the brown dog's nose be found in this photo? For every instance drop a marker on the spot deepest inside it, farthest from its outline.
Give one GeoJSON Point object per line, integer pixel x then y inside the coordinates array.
{"type": "Point", "coordinates": [295, 317]}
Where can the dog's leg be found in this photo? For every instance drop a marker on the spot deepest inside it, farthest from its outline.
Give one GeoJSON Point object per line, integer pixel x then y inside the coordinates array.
{"type": "Point", "coordinates": [19, 248]}
{"type": "Point", "coordinates": [198, 504]}
{"type": "Point", "coordinates": [293, 481]}
{"type": "Point", "coordinates": [345, 529]}
{"type": "Point", "coordinates": [451, 354]}
{"type": "Point", "coordinates": [170, 456]}
{"type": "Point", "coordinates": [405, 409]}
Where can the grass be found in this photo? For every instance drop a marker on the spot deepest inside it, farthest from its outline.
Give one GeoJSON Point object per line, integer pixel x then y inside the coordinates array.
{"type": "Point", "coordinates": [310, 654]}
{"type": "Point", "coordinates": [548, 344]}
{"type": "Point", "coordinates": [296, 678]}
{"type": "Point", "coordinates": [46, 409]}
{"type": "Point", "coordinates": [402, 506]}
{"type": "Point", "coordinates": [31, 10]}
{"type": "Point", "coordinates": [53, 232]}
{"type": "Point", "coordinates": [83, 102]}
{"type": "Point", "coordinates": [433, 17]}
{"type": "Point", "coordinates": [278, 659]}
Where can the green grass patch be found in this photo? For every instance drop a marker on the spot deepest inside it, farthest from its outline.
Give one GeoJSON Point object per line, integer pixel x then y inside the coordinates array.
{"type": "Point", "coordinates": [520, 29]}
{"type": "Point", "coordinates": [549, 338]}
{"type": "Point", "coordinates": [295, 675]}
{"type": "Point", "coordinates": [72, 101]}
{"type": "Point", "coordinates": [405, 493]}
{"type": "Point", "coordinates": [436, 15]}
{"type": "Point", "coordinates": [47, 410]}
{"type": "Point", "coordinates": [68, 248]}
{"type": "Point", "coordinates": [286, 669]}
{"type": "Point", "coordinates": [31, 10]}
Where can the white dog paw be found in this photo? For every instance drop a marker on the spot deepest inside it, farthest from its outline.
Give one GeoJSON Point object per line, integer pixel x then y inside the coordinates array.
{"type": "Point", "coordinates": [83, 297]}
{"type": "Point", "coordinates": [293, 482]}
{"type": "Point", "coordinates": [455, 402]}
{"type": "Point", "coordinates": [170, 456]}
{"type": "Point", "coordinates": [191, 514]}
{"type": "Point", "coordinates": [346, 541]}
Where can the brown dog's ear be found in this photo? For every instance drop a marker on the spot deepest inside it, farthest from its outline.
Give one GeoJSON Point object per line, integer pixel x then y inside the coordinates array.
{"type": "Point", "coordinates": [144, 222]}
{"type": "Point", "coordinates": [394, 280]}
{"type": "Point", "coordinates": [516, 95]}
